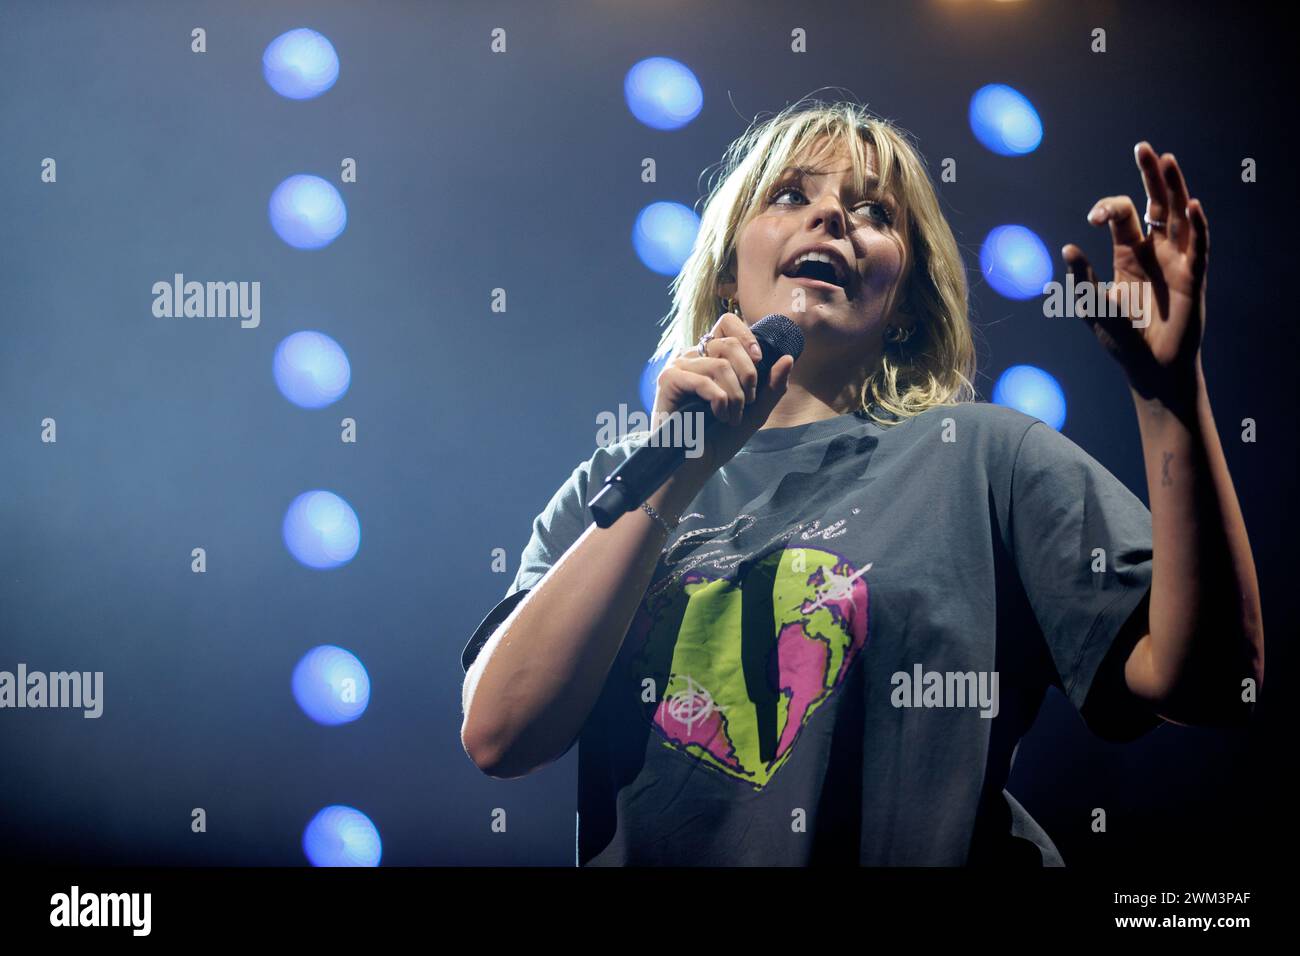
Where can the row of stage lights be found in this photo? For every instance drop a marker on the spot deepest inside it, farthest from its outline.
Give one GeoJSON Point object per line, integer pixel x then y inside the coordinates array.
{"type": "Point", "coordinates": [307, 212]}
{"type": "Point", "coordinates": [311, 369]}
{"type": "Point", "coordinates": [320, 529]}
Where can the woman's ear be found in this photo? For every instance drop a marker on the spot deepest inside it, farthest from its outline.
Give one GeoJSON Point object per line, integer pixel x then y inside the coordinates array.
{"type": "Point", "coordinates": [904, 310]}
{"type": "Point", "coordinates": [904, 314]}
{"type": "Point", "coordinates": [727, 288]}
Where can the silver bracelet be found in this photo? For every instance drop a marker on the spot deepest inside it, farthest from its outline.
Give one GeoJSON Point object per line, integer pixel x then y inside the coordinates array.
{"type": "Point", "coordinates": [658, 518]}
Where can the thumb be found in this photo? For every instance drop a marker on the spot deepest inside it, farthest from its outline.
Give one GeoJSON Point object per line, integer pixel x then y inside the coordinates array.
{"type": "Point", "coordinates": [777, 381]}
{"type": "Point", "coordinates": [781, 373]}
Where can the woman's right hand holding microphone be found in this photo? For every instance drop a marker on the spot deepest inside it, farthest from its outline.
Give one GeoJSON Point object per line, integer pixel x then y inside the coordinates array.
{"type": "Point", "coordinates": [726, 378]}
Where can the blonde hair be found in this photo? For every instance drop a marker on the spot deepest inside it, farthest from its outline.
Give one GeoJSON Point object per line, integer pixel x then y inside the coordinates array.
{"type": "Point", "coordinates": [936, 365]}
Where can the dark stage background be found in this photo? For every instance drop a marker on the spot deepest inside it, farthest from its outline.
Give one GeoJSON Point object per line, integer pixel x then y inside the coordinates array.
{"type": "Point", "coordinates": [522, 171]}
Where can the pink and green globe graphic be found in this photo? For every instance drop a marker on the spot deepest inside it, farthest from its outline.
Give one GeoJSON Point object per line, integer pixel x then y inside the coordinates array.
{"type": "Point", "coordinates": [744, 662]}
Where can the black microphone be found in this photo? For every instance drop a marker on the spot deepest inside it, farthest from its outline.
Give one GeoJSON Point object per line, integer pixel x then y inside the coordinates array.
{"type": "Point", "coordinates": [640, 476]}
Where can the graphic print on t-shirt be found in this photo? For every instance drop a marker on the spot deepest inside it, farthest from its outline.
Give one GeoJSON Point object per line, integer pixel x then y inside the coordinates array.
{"type": "Point", "coordinates": [745, 660]}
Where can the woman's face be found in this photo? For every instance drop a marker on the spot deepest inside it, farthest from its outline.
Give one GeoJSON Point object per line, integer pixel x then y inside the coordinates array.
{"type": "Point", "coordinates": [817, 208]}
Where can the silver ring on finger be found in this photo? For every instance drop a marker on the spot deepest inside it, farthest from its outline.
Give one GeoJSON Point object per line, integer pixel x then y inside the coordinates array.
{"type": "Point", "coordinates": [1154, 223]}
{"type": "Point", "coordinates": [702, 345]}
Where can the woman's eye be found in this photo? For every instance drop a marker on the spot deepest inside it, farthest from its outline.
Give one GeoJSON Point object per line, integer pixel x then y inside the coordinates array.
{"type": "Point", "coordinates": [881, 209]}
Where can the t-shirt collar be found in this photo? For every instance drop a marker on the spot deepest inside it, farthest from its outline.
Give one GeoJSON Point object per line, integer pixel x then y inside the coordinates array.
{"type": "Point", "coordinates": [779, 439]}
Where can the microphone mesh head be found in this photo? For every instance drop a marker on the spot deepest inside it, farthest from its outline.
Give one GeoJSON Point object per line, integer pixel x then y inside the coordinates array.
{"type": "Point", "coordinates": [780, 333]}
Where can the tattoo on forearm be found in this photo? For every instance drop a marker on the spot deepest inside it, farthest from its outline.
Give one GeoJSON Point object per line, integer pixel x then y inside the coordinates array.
{"type": "Point", "coordinates": [1164, 471]}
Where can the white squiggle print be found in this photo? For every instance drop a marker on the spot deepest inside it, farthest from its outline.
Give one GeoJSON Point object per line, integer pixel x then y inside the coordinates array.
{"type": "Point", "coordinates": [691, 705]}
{"type": "Point", "coordinates": [719, 559]}
{"type": "Point", "coordinates": [838, 587]}
{"type": "Point", "coordinates": [690, 536]}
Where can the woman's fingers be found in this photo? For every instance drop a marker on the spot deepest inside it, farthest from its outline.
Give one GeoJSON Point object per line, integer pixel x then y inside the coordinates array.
{"type": "Point", "coordinates": [1106, 319]}
{"type": "Point", "coordinates": [1119, 211]}
{"type": "Point", "coordinates": [687, 381]}
{"type": "Point", "coordinates": [734, 327]}
{"type": "Point", "coordinates": [728, 364]}
{"type": "Point", "coordinates": [720, 371]}
{"type": "Point", "coordinates": [1157, 197]}
{"type": "Point", "coordinates": [1177, 188]}
{"type": "Point", "coordinates": [724, 375]}
{"type": "Point", "coordinates": [734, 351]}
{"type": "Point", "coordinates": [1200, 238]}
{"type": "Point", "coordinates": [1081, 269]}
{"type": "Point", "coordinates": [1077, 263]}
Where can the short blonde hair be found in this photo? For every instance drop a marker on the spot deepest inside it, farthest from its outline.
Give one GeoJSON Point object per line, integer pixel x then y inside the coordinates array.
{"type": "Point", "coordinates": [936, 365]}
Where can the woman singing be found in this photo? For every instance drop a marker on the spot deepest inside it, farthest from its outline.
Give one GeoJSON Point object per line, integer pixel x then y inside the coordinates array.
{"type": "Point", "coordinates": [821, 640]}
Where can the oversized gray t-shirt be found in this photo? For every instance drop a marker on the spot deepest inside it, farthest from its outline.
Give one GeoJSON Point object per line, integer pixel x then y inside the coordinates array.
{"type": "Point", "coordinates": [810, 676]}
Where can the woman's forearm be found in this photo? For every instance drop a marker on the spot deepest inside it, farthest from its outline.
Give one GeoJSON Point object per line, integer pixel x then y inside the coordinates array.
{"type": "Point", "coordinates": [1206, 634]}
{"type": "Point", "coordinates": [537, 678]}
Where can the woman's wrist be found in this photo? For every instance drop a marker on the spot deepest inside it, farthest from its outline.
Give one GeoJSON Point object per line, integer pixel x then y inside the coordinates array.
{"type": "Point", "coordinates": [674, 496]}
{"type": "Point", "coordinates": [665, 524]}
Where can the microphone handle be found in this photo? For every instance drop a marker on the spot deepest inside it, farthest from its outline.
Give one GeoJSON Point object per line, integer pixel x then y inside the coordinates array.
{"type": "Point", "coordinates": [632, 482]}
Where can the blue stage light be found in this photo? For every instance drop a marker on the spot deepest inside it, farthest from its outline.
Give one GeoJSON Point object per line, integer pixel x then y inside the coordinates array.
{"type": "Point", "coordinates": [307, 212]}
{"type": "Point", "coordinates": [331, 685]}
{"type": "Point", "coordinates": [342, 836]}
{"type": "Point", "coordinates": [321, 530]}
{"type": "Point", "coordinates": [663, 236]}
{"type": "Point", "coordinates": [1015, 262]}
{"type": "Point", "coordinates": [1031, 390]}
{"type": "Point", "coordinates": [650, 382]}
{"type": "Point", "coordinates": [1004, 120]}
{"type": "Point", "coordinates": [311, 369]}
{"type": "Point", "coordinates": [300, 64]}
{"type": "Point", "coordinates": [662, 93]}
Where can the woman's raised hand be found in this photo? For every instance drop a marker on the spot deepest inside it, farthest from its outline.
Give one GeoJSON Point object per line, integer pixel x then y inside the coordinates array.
{"type": "Point", "coordinates": [1159, 351]}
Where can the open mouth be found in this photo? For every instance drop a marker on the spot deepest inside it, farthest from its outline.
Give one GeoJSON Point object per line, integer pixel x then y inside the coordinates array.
{"type": "Point", "coordinates": [817, 273]}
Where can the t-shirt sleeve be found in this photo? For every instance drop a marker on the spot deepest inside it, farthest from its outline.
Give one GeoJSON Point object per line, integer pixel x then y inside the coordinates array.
{"type": "Point", "coordinates": [555, 530]}
{"type": "Point", "coordinates": [1082, 546]}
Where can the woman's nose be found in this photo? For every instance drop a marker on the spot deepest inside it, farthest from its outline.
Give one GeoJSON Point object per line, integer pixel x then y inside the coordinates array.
{"type": "Point", "coordinates": [827, 211]}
